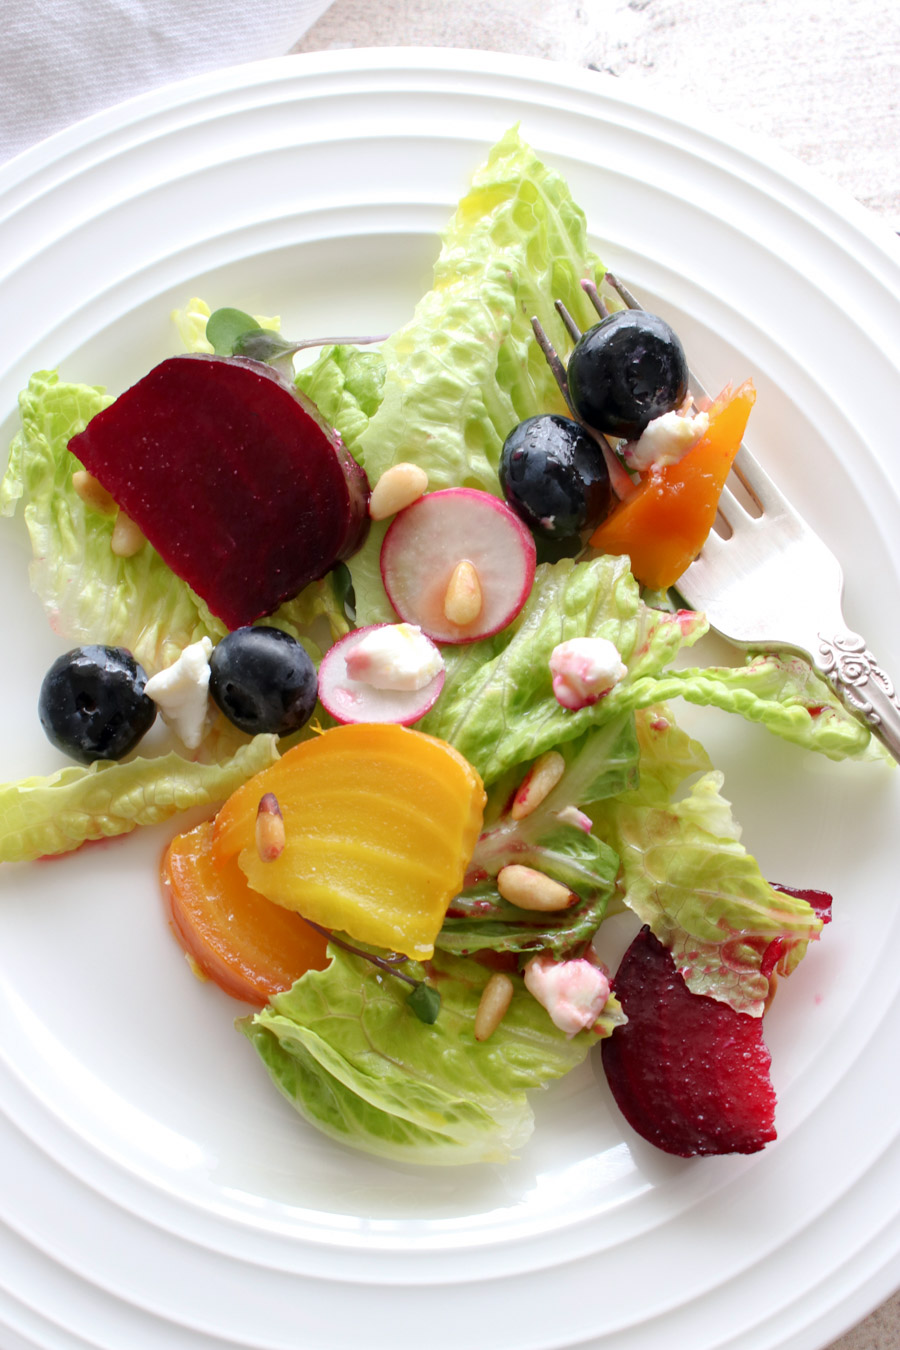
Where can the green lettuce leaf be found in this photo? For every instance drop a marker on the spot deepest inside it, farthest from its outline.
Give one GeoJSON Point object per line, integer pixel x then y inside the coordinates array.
{"type": "Point", "coordinates": [481, 920]}
{"type": "Point", "coordinates": [497, 705]}
{"type": "Point", "coordinates": [688, 876]}
{"type": "Point", "coordinates": [347, 386]}
{"type": "Point", "coordinates": [784, 694]}
{"type": "Point", "coordinates": [353, 1059]}
{"type": "Point", "coordinates": [320, 600]}
{"type": "Point", "coordinates": [466, 368]}
{"type": "Point", "coordinates": [43, 816]}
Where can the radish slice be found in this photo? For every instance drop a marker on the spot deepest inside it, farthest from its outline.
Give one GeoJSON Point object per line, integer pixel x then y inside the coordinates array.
{"type": "Point", "coordinates": [350, 700]}
{"type": "Point", "coordinates": [428, 540]}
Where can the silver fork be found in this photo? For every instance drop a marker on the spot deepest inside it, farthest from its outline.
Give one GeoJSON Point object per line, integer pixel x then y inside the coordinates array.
{"type": "Point", "coordinates": [769, 583]}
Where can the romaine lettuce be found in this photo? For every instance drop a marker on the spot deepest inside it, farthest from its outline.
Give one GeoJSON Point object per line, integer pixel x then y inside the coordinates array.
{"type": "Point", "coordinates": [481, 920]}
{"type": "Point", "coordinates": [42, 816]}
{"type": "Point", "coordinates": [347, 386]}
{"type": "Point", "coordinates": [497, 705]}
{"type": "Point", "coordinates": [783, 693]}
{"type": "Point", "coordinates": [466, 368]}
{"type": "Point", "coordinates": [351, 1056]}
{"type": "Point", "coordinates": [687, 875]}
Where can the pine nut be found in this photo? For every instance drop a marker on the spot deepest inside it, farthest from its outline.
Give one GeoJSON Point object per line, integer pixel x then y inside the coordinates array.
{"type": "Point", "coordinates": [538, 783]}
{"type": "Point", "coordinates": [463, 599]}
{"type": "Point", "coordinates": [93, 493]}
{"type": "Point", "coordinates": [270, 837]}
{"type": "Point", "coordinates": [495, 999]}
{"type": "Point", "coordinates": [529, 889]}
{"type": "Point", "coordinates": [398, 487]}
{"type": "Point", "coordinates": [127, 538]}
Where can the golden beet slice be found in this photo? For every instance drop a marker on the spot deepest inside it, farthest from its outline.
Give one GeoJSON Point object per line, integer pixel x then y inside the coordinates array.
{"type": "Point", "coordinates": [251, 948]}
{"type": "Point", "coordinates": [380, 823]}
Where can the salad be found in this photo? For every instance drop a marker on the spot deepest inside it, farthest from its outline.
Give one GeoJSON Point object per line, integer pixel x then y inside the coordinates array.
{"type": "Point", "coordinates": [518, 795]}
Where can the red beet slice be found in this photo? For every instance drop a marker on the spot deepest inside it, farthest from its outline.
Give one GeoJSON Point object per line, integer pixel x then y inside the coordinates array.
{"type": "Point", "coordinates": [233, 477]}
{"type": "Point", "coordinates": [688, 1073]}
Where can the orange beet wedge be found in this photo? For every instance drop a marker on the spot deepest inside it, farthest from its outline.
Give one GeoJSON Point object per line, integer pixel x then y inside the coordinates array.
{"type": "Point", "coordinates": [663, 525]}
{"type": "Point", "coordinates": [251, 948]}
{"type": "Point", "coordinates": [380, 822]}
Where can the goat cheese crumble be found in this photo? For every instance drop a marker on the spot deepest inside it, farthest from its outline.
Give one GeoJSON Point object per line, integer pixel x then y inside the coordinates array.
{"type": "Point", "coordinates": [584, 669]}
{"type": "Point", "coordinates": [395, 656]}
{"type": "Point", "coordinates": [665, 440]}
{"type": "Point", "coordinates": [181, 692]}
{"type": "Point", "coordinates": [573, 992]}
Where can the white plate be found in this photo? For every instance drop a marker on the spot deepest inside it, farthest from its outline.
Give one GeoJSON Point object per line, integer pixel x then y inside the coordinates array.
{"type": "Point", "coordinates": [155, 1191]}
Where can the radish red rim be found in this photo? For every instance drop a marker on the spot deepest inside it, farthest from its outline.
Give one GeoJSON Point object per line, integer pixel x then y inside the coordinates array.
{"type": "Point", "coordinates": [349, 700]}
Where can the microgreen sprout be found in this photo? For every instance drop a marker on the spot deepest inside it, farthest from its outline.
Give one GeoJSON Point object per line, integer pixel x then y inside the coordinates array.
{"type": "Point", "coordinates": [234, 333]}
{"type": "Point", "coordinates": [225, 326]}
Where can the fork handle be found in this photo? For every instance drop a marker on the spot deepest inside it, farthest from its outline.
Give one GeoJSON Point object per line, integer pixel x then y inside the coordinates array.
{"type": "Point", "coordinates": [862, 685]}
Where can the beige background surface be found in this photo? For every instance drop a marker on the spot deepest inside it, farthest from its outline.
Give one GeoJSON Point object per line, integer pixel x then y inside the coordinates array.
{"type": "Point", "coordinates": [820, 77]}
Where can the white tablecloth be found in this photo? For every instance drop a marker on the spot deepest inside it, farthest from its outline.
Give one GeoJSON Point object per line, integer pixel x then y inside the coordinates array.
{"type": "Point", "coordinates": [65, 59]}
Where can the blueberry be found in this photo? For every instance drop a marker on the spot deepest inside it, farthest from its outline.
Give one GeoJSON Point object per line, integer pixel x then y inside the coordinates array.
{"type": "Point", "coordinates": [554, 476]}
{"type": "Point", "coordinates": [263, 680]}
{"type": "Point", "coordinates": [92, 703]}
{"type": "Point", "coordinates": [626, 370]}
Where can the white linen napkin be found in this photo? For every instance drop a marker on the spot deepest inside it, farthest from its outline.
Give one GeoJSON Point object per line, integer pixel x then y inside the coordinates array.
{"type": "Point", "coordinates": [65, 59]}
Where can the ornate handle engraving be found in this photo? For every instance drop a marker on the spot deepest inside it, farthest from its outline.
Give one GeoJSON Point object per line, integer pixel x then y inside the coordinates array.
{"type": "Point", "coordinates": [864, 687]}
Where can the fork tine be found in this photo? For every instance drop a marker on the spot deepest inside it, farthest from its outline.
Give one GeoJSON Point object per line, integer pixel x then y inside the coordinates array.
{"type": "Point", "coordinates": [557, 368]}
{"type": "Point", "coordinates": [758, 483]}
{"type": "Point", "coordinates": [573, 330]}
{"type": "Point", "coordinates": [622, 291]}
{"type": "Point", "coordinates": [748, 470]}
{"type": "Point", "coordinates": [590, 289]}
{"type": "Point", "coordinates": [730, 509]}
